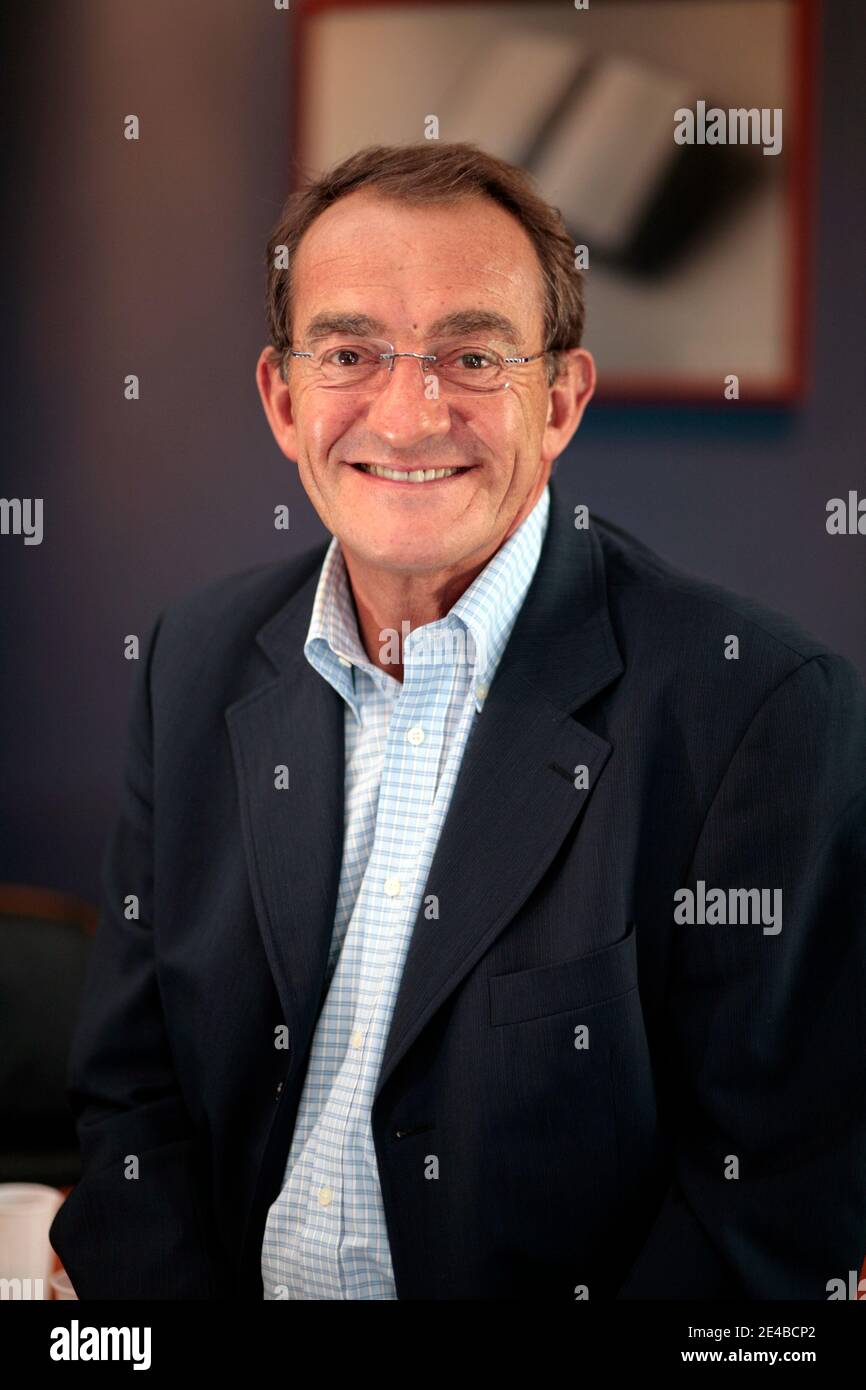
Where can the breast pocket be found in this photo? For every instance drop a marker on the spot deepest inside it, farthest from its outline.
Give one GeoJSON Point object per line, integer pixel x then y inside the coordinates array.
{"type": "Point", "coordinates": [578, 983]}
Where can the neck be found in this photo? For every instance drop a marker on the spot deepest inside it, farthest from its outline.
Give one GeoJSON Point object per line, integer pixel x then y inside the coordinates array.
{"type": "Point", "coordinates": [389, 605]}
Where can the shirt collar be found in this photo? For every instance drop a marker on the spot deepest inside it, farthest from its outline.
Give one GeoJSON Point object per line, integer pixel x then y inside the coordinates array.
{"type": "Point", "coordinates": [483, 615]}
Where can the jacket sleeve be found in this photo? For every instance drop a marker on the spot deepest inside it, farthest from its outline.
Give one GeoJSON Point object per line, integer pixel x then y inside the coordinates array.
{"type": "Point", "coordinates": [138, 1224]}
{"type": "Point", "coordinates": [767, 1026]}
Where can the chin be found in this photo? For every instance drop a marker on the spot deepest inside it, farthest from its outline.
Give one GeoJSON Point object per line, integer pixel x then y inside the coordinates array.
{"type": "Point", "coordinates": [413, 560]}
{"type": "Point", "coordinates": [378, 538]}
{"type": "Point", "coordinates": [405, 554]}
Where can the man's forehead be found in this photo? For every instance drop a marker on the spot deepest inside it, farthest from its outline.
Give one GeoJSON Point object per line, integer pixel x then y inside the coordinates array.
{"type": "Point", "coordinates": [472, 256]}
{"type": "Point", "coordinates": [371, 213]}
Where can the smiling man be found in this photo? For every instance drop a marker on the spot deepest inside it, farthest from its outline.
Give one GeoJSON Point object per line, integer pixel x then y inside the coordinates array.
{"type": "Point", "coordinates": [408, 1006]}
{"type": "Point", "coordinates": [439, 283]}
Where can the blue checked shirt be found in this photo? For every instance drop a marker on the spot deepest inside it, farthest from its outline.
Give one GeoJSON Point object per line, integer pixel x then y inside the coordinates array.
{"type": "Point", "coordinates": [325, 1234]}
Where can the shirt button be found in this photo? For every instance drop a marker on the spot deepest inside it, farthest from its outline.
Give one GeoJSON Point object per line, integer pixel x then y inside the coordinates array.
{"type": "Point", "coordinates": [392, 887]}
{"type": "Point", "coordinates": [325, 1195]}
{"type": "Point", "coordinates": [415, 735]}
{"type": "Point", "coordinates": [357, 1038]}
{"type": "Point", "coordinates": [344, 661]}
{"type": "Point", "coordinates": [482, 690]}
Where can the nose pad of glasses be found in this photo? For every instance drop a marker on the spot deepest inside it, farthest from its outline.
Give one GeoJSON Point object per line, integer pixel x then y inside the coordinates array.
{"type": "Point", "coordinates": [425, 362]}
{"type": "Point", "coordinates": [420, 357]}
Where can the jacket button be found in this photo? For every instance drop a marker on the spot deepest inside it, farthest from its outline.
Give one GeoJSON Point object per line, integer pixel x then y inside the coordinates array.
{"type": "Point", "coordinates": [279, 1090]}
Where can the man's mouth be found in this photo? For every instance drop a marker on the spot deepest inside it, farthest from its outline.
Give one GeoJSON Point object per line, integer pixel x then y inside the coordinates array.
{"type": "Point", "coordinates": [414, 475]}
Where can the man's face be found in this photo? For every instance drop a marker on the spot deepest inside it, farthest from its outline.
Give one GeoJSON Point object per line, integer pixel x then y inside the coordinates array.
{"type": "Point", "coordinates": [406, 268]}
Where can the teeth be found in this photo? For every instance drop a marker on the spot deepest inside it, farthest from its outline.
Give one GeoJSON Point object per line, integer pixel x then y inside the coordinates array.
{"type": "Point", "coordinates": [418, 475]}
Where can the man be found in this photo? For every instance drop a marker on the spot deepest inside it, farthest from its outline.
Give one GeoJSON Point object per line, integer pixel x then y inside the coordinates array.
{"type": "Point", "coordinates": [499, 890]}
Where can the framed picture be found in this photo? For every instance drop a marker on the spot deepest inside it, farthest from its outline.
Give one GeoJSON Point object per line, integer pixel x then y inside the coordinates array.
{"type": "Point", "coordinates": [675, 136]}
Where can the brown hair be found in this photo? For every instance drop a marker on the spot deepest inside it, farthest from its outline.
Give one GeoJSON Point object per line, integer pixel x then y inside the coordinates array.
{"type": "Point", "coordinates": [435, 173]}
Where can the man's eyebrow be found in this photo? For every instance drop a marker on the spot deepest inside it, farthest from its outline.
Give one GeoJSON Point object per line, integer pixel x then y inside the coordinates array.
{"type": "Point", "coordinates": [459, 323]}
{"type": "Point", "coordinates": [468, 321]}
{"type": "Point", "coordinates": [360, 325]}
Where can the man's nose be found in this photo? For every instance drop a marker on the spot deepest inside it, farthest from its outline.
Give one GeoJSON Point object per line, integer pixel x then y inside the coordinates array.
{"type": "Point", "coordinates": [405, 409]}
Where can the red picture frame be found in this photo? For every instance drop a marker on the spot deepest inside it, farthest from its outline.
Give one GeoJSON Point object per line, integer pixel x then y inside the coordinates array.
{"type": "Point", "coordinates": [794, 382]}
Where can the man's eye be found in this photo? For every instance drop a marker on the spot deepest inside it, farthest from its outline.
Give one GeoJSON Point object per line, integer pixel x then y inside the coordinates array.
{"type": "Point", "coordinates": [471, 360]}
{"type": "Point", "coordinates": [347, 357]}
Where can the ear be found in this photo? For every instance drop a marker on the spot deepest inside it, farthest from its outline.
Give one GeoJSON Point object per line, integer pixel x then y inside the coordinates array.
{"type": "Point", "coordinates": [276, 402]}
{"type": "Point", "coordinates": [568, 398]}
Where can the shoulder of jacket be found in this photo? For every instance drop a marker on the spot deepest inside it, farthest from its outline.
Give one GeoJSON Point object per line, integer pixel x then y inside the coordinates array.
{"type": "Point", "coordinates": [230, 610]}
{"type": "Point", "coordinates": [691, 610]}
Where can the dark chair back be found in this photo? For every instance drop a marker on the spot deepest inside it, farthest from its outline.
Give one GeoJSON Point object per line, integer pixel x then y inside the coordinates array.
{"type": "Point", "coordinates": [45, 939]}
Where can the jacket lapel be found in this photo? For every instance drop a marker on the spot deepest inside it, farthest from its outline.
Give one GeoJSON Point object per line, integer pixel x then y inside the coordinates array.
{"type": "Point", "coordinates": [293, 838]}
{"type": "Point", "coordinates": [515, 798]}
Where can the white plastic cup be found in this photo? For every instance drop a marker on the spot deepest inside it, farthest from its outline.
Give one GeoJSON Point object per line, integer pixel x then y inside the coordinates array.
{"type": "Point", "coordinates": [27, 1210]}
{"type": "Point", "coordinates": [61, 1285]}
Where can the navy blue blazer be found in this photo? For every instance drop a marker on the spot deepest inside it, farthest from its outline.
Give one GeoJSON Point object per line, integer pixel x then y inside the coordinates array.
{"type": "Point", "coordinates": [622, 1105]}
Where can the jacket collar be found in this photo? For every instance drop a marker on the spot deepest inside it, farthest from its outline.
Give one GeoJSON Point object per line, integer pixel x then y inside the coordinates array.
{"type": "Point", "coordinates": [562, 641]}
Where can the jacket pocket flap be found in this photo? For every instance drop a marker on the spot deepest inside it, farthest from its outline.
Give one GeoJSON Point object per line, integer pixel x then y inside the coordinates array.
{"type": "Point", "coordinates": [569, 984]}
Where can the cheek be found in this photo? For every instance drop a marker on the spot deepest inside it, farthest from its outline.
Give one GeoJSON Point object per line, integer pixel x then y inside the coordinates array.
{"type": "Point", "coordinates": [529, 434]}
{"type": "Point", "coordinates": [512, 432]}
{"type": "Point", "coordinates": [321, 424]}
